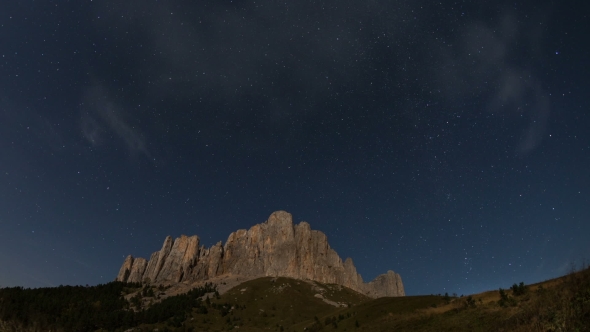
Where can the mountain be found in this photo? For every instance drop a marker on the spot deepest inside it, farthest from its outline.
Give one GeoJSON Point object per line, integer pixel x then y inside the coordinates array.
{"type": "Point", "coordinates": [275, 248]}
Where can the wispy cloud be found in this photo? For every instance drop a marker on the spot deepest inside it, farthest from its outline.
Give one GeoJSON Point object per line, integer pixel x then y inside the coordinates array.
{"type": "Point", "coordinates": [103, 118]}
{"type": "Point", "coordinates": [311, 56]}
{"type": "Point", "coordinates": [480, 62]}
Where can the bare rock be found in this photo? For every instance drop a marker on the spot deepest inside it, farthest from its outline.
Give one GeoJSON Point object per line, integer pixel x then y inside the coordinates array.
{"type": "Point", "coordinates": [273, 248]}
{"type": "Point", "coordinates": [180, 259]}
{"type": "Point", "coordinates": [150, 269]}
{"type": "Point", "coordinates": [125, 269]}
{"type": "Point", "coordinates": [215, 256]}
{"type": "Point", "coordinates": [138, 269]}
{"type": "Point", "coordinates": [389, 284]}
{"type": "Point", "coordinates": [161, 259]}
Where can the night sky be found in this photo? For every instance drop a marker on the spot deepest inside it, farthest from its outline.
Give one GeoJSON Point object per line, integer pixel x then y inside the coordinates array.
{"type": "Point", "coordinates": [447, 141]}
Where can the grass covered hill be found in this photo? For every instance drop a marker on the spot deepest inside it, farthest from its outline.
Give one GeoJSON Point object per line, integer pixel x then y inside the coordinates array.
{"type": "Point", "coordinates": [282, 304]}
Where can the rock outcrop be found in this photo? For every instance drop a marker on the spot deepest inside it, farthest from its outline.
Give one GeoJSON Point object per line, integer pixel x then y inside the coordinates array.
{"type": "Point", "coordinates": [276, 248]}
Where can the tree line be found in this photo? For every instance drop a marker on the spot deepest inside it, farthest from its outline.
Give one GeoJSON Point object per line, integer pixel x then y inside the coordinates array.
{"type": "Point", "coordinates": [80, 308]}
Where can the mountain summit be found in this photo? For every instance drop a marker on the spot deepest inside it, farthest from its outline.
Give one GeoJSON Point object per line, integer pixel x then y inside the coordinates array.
{"type": "Point", "coordinates": [275, 248]}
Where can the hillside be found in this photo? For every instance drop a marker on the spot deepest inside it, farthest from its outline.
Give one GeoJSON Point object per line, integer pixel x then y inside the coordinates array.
{"type": "Point", "coordinates": [284, 304]}
{"type": "Point", "coordinates": [561, 304]}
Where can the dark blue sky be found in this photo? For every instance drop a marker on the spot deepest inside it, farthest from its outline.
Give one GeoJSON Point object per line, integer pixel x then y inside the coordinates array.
{"type": "Point", "coordinates": [447, 142]}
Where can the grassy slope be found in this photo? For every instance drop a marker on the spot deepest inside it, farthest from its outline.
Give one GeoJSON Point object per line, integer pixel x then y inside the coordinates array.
{"type": "Point", "coordinates": [558, 304]}
{"type": "Point", "coordinates": [282, 304]}
{"type": "Point", "coordinates": [561, 304]}
{"type": "Point", "coordinates": [269, 303]}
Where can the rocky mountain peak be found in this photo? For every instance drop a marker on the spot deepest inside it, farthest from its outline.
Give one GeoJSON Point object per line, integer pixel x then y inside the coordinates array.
{"type": "Point", "coordinates": [276, 248]}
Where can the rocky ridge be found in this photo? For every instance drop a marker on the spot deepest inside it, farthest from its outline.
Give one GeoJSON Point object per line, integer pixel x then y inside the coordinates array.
{"type": "Point", "coordinates": [275, 248]}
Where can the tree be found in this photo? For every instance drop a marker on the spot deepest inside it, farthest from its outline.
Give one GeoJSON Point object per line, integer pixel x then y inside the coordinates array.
{"type": "Point", "coordinates": [136, 301]}
{"type": "Point", "coordinates": [447, 298]}
{"type": "Point", "coordinates": [505, 300]}
{"type": "Point", "coordinates": [519, 289]}
{"type": "Point", "coordinates": [470, 302]}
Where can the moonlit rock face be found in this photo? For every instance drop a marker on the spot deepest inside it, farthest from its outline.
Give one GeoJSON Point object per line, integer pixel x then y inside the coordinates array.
{"type": "Point", "coordinates": [125, 269]}
{"type": "Point", "coordinates": [182, 256]}
{"type": "Point", "coordinates": [138, 269]}
{"type": "Point", "coordinates": [274, 248]}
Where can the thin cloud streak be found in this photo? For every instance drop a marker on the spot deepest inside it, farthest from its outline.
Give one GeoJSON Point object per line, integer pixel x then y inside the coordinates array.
{"type": "Point", "coordinates": [102, 116]}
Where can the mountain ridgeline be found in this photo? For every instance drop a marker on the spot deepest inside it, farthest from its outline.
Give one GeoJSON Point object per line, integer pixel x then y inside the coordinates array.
{"type": "Point", "coordinates": [275, 248]}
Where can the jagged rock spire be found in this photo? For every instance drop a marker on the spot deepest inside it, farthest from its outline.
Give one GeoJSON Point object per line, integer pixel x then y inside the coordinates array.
{"type": "Point", "coordinates": [276, 247]}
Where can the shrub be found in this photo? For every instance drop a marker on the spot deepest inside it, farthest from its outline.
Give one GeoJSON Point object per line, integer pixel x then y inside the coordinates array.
{"type": "Point", "coordinates": [519, 289]}
{"type": "Point", "coordinates": [505, 299]}
{"type": "Point", "coordinates": [447, 298]}
{"type": "Point", "coordinates": [470, 302]}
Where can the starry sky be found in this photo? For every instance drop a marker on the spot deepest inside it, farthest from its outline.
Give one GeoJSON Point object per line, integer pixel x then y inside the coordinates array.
{"type": "Point", "coordinates": [447, 141]}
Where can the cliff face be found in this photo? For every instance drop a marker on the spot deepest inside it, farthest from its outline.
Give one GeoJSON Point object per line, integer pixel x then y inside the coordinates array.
{"type": "Point", "coordinates": [273, 248]}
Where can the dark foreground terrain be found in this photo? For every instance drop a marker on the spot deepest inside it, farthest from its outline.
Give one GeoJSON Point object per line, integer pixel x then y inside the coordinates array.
{"type": "Point", "coordinates": [282, 304]}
